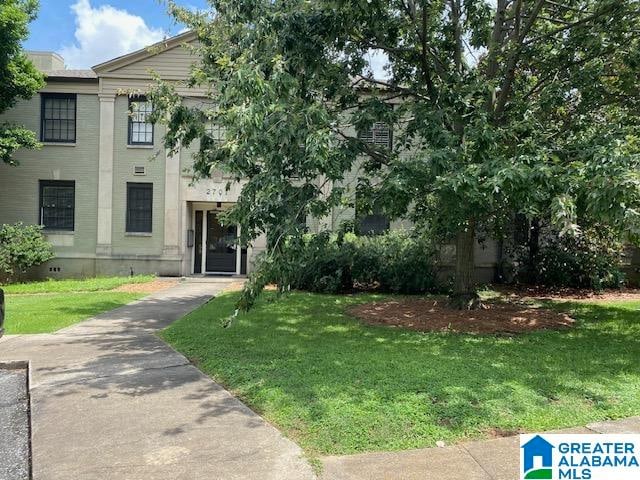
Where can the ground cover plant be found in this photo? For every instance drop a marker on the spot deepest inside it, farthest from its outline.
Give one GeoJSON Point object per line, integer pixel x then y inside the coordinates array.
{"type": "Point", "coordinates": [339, 386]}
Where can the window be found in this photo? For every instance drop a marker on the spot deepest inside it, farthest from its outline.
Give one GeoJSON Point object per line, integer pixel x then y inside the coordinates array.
{"type": "Point", "coordinates": [370, 219]}
{"type": "Point", "coordinates": [214, 132]}
{"type": "Point", "coordinates": [373, 224]}
{"type": "Point", "coordinates": [58, 117]}
{"type": "Point", "coordinates": [140, 129]}
{"type": "Point", "coordinates": [378, 134]}
{"type": "Point", "coordinates": [139, 207]}
{"type": "Point", "coordinates": [57, 204]}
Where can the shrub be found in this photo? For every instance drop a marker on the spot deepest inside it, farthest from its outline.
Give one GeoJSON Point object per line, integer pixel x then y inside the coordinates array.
{"type": "Point", "coordinates": [22, 246]}
{"type": "Point", "coordinates": [320, 264]}
{"type": "Point", "coordinates": [589, 260]}
{"type": "Point", "coordinates": [394, 262]}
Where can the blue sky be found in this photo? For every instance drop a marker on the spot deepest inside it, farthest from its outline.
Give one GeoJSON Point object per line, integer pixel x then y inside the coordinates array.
{"type": "Point", "coordinates": [87, 32]}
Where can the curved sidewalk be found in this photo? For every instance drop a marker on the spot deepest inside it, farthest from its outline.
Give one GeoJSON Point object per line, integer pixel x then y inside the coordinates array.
{"type": "Point", "coordinates": [109, 399]}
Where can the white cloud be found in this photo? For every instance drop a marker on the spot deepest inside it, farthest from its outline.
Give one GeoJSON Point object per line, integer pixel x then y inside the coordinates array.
{"type": "Point", "coordinates": [377, 60]}
{"type": "Point", "coordinates": [105, 32]}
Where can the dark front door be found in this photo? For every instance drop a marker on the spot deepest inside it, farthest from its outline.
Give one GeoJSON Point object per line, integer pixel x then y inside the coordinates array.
{"type": "Point", "coordinates": [221, 250]}
{"type": "Point", "coordinates": [197, 251]}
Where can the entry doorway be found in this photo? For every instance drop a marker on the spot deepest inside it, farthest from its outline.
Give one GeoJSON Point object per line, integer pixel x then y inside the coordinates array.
{"type": "Point", "coordinates": [216, 250]}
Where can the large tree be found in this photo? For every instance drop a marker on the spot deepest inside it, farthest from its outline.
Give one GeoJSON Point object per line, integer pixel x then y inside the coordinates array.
{"type": "Point", "coordinates": [19, 78]}
{"type": "Point", "coordinates": [500, 106]}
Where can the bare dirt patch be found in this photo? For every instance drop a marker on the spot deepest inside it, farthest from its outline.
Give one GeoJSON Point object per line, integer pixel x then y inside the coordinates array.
{"type": "Point", "coordinates": [235, 286]}
{"type": "Point", "coordinates": [148, 287]}
{"type": "Point", "coordinates": [434, 315]}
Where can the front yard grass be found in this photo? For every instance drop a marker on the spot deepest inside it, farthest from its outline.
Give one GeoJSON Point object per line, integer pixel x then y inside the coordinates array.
{"type": "Point", "coordinates": [75, 285]}
{"type": "Point", "coordinates": [47, 306]}
{"type": "Point", "coordinates": [337, 386]}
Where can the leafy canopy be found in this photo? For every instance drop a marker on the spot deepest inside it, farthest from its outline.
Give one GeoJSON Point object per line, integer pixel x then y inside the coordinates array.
{"type": "Point", "coordinates": [19, 79]}
{"type": "Point", "coordinates": [498, 106]}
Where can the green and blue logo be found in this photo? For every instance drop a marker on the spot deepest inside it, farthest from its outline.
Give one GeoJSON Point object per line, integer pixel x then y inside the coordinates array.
{"type": "Point", "coordinates": [537, 461]}
{"type": "Point", "coordinates": [580, 457]}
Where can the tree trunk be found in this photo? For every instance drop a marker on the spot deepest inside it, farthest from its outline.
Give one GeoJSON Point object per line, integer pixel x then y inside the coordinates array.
{"type": "Point", "coordinates": [464, 295]}
{"type": "Point", "coordinates": [534, 249]}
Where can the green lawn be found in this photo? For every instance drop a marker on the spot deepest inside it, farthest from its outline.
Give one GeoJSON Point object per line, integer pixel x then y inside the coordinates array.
{"type": "Point", "coordinates": [47, 306]}
{"type": "Point", "coordinates": [73, 285]}
{"type": "Point", "coordinates": [337, 386]}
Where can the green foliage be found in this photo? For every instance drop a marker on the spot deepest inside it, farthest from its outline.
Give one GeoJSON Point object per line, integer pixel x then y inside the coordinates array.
{"type": "Point", "coordinates": [324, 264]}
{"type": "Point", "coordinates": [396, 261]}
{"type": "Point", "coordinates": [590, 260]}
{"type": "Point", "coordinates": [19, 78]}
{"type": "Point", "coordinates": [541, 116]}
{"type": "Point", "coordinates": [337, 386]}
{"type": "Point", "coordinates": [21, 247]}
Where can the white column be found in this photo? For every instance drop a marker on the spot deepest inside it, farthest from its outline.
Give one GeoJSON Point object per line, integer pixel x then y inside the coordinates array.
{"type": "Point", "coordinates": [105, 174]}
{"type": "Point", "coordinates": [326, 222]}
{"type": "Point", "coordinates": [172, 204]}
{"type": "Point", "coordinates": [205, 222]}
{"type": "Point", "coordinates": [186, 223]}
{"type": "Point", "coordinates": [238, 252]}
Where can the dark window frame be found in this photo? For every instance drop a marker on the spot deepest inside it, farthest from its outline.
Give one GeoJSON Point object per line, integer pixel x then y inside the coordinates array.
{"type": "Point", "coordinates": [380, 224]}
{"type": "Point", "coordinates": [130, 227]}
{"type": "Point", "coordinates": [362, 135]}
{"type": "Point", "coordinates": [130, 122]}
{"type": "Point", "coordinates": [43, 100]}
{"type": "Point", "coordinates": [41, 216]}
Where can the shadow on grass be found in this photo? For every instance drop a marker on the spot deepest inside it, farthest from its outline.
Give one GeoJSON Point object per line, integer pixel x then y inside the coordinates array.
{"type": "Point", "coordinates": [339, 387]}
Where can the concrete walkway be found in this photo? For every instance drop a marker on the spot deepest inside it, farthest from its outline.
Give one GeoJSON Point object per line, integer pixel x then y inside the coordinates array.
{"type": "Point", "coordinates": [14, 422]}
{"type": "Point", "coordinates": [497, 459]}
{"type": "Point", "coordinates": [109, 399]}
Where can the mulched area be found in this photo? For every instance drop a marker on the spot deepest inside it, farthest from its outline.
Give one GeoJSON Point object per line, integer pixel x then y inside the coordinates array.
{"type": "Point", "coordinates": [434, 315]}
{"type": "Point", "coordinates": [148, 287]}
{"type": "Point", "coordinates": [568, 294]}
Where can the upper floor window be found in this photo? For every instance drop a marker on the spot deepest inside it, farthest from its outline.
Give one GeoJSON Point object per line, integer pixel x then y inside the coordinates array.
{"type": "Point", "coordinates": [57, 204]}
{"type": "Point", "coordinates": [58, 117]}
{"type": "Point", "coordinates": [140, 128]}
{"type": "Point", "coordinates": [378, 134]}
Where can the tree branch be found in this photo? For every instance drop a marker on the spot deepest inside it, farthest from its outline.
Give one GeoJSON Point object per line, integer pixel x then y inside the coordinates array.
{"type": "Point", "coordinates": [517, 38]}
{"type": "Point", "coordinates": [454, 5]}
{"type": "Point", "coordinates": [577, 23]}
{"type": "Point", "coordinates": [496, 40]}
{"type": "Point", "coordinates": [426, 71]}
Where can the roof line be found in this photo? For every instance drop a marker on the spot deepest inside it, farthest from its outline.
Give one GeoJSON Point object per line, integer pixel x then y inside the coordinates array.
{"type": "Point", "coordinates": [128, 58]}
